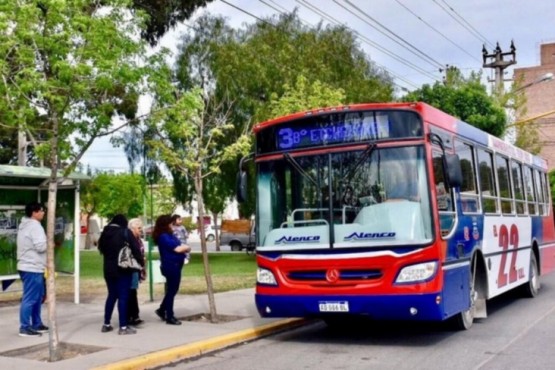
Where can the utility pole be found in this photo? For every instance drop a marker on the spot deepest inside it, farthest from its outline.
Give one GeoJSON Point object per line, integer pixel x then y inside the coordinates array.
{"type": "Point", "coordinates": [499, 64]}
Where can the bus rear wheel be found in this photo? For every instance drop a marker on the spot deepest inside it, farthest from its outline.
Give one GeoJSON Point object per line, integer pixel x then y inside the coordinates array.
{"type": "Point", "coordinates": [532, 287]}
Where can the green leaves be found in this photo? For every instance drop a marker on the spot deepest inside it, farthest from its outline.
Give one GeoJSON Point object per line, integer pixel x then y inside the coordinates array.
{"type": "Point", "coordinates": [74, 62]}
{"type": "Point", "coordinates": [466, 99]}
{"type": "Point", "coordinates": [109, 194]}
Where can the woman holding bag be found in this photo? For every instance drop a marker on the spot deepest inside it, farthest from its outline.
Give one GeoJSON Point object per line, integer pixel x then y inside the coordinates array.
{"type": "Point", "coordinates": [136, 230]}
{"type": "Point", "coordinates": [118, 280]}
{"type": "Point", "coordinates": [172, 257]}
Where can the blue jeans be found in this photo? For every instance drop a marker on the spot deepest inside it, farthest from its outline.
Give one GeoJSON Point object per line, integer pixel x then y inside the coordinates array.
{"type": "Point", "coordinates": [172, 274]}
{"type": "Point", "coordinates": [31, 302]}
{"type": "Point", "coordinates": [118, 290]}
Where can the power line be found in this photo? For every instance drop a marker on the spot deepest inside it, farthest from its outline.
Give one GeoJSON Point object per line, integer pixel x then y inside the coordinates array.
{"type": "Point", "coordinates": [334, 21]}
{"type": "Point", "coordinates": [460, 20]}
{"type": "Point", "coordinates": [400, 59]}
{"type": "Point", "coordinates": [439, 32]}
{"type": "Point", "coordinates": [467, 23]}
{"type": "Point", "coordinates": [396, 38]}
{"type": "Point", "coordinates": [244, 11]}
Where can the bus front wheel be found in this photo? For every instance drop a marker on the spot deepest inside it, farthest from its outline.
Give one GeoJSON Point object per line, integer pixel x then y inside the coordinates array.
{"type": "Point", "coordinates": [463, 320]}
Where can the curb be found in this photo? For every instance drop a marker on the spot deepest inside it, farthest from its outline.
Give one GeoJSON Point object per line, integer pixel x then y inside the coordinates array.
{"type": "Point", "coordinates": [199, 348]}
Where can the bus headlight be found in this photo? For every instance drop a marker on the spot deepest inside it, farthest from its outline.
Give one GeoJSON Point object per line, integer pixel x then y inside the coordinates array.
{"type": "Point", "coordinates": [418, 272]}
{"type": "Point", "coordinates": [265, 276]}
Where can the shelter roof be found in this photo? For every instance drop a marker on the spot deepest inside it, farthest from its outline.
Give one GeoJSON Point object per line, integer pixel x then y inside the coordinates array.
{"type": "Point", "coordinates": [21, 176]}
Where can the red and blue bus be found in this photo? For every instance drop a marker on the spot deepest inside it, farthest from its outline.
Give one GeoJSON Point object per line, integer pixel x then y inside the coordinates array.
{"type": "Point", "coordinates": [394, 211]}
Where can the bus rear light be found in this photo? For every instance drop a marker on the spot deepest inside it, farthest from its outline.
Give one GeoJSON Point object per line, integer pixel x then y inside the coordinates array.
{"type": "Point", "coordinates": [265, 276]}
{"type": "Point", "coordinates": [418, 272]}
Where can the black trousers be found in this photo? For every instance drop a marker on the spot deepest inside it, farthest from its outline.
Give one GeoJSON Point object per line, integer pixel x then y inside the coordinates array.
{"type": "Point", "coordinates": [133, 305]}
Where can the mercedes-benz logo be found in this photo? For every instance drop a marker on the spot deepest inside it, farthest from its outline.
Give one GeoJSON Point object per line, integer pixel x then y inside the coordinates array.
{"type": "Point", "coordinates": [332, 275]}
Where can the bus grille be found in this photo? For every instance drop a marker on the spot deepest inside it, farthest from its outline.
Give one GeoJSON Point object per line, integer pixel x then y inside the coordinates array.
{"type": "Point", "coordinates": [344, 275]}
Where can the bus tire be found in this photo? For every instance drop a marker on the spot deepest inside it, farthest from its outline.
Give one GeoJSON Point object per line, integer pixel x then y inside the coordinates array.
{"type": "Point", "coordinates": [464, 320]}
{"type": "Point", "coordinates": [532, 287]}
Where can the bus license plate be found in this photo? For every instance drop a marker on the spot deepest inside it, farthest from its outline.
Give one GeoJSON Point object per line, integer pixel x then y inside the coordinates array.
{"type": "Point", "coordinates": [342, 306]}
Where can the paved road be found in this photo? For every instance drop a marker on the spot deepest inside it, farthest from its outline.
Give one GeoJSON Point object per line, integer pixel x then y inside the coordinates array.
{"type": "Point", "coordinates": [518, 334]}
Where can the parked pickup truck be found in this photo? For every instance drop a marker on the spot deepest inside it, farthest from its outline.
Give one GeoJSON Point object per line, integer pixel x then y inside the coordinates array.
{"type": "Point", "coordinates": [238, 234]}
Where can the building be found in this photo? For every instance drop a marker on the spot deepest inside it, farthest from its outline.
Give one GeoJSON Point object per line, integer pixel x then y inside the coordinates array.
{"type": "Point", "coordinates": [541, 99]}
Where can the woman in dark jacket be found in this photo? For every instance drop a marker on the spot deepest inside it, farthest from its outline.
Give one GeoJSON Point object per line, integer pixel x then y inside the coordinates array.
{"type": "Point", "coordinates": [118, 280]}
{"type": "Point", "coordinates": [172, 257]}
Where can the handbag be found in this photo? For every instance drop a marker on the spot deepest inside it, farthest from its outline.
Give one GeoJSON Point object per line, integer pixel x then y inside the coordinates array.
{"type": "Point", "coordinates": [126, 259]}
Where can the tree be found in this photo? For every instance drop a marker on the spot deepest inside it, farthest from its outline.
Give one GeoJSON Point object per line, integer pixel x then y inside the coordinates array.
{"type": "Point", "coordinates": [8, 145]}
{"type": "Point", "coordinates": [466, 99]}
{"type": "Point", "coordinates": [189, 142]}
{"type": "Point", "coordinates": [526, 135]}
{"type": "Point", "coordinates": [68, 68]}
{"type": "Point", "coordinates": [109, 194]}
{"type": "Point", "coordinates": [249, 66]}
{"type": "Point", "coordinates": [215, 197]}
{"type": "Point", "coordinates": [165, 14]}
{"type": "Point", "coordinates": [160, 199]}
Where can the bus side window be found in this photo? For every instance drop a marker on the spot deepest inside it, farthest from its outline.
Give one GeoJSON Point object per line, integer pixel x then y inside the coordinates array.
{"type": "Point", "coordinates": [469, 187]}
{"type": "Point", "coordinates": [505, 188]}
{"type": "Point", "coordinates": [518, 188]}
{"type": "Point", "coordinates": [444, 196]}
{"type": "Point", "coordinates": [530, 190]}
{"type": "Point", "coordinates": [488, 189]}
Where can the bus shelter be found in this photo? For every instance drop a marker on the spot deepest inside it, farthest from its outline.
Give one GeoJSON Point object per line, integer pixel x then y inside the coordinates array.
{"type": "Point", "coordinates": [21, 185]}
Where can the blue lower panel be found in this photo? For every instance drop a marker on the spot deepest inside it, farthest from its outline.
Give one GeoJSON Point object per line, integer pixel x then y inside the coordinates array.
{"type": "Point", "coordinates": [390, 307]}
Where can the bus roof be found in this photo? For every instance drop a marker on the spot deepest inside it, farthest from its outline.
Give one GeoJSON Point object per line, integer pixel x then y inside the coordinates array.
{"type": "Point", "coordinates": [429, 114]}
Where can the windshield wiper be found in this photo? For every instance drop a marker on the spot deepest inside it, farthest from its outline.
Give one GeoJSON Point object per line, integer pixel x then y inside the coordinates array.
{"type": "Point", "coordinates": [299, 169]}
{"type": "Point", "coordinates": [363, 157]}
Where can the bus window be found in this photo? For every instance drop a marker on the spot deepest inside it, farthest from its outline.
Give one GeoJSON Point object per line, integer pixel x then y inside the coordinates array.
{"type": "Point", "coordinates": [444, 196]}
{"type": "Point", "coordinates": [547, 194]}
{"type": "Point", "coordinates": [469, 190]}
{"type": "Point", "coordinates": [518, 188]}
{"type": "Point", "coordinates": [505, 191]}
{"type": "Point", "coordinates": [539, 192]}
{"type": "Point", "coordinates": [529, 190]}
{"type": "Point", "coordinates": [487, 182]}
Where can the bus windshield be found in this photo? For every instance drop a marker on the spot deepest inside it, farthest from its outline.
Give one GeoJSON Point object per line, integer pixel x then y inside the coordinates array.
{"type": "Point", "coordinates": [371, 197]}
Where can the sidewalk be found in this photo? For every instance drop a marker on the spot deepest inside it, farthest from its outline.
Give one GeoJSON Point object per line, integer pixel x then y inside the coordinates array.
{"type": "Point", "coordinates": [155, 343]}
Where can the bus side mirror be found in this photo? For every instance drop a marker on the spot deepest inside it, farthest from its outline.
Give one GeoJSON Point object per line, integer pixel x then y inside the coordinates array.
{"type": "Point", "coordinates": [241, 191]}
{"type": "Point", "coordinates": [454, 170]}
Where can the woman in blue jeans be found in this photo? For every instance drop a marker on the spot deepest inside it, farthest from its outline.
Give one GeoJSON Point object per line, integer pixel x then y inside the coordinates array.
{"type": "Point", "coordinates": [118, 280]}
{"type": "Point", "coordinates": [172, 258]}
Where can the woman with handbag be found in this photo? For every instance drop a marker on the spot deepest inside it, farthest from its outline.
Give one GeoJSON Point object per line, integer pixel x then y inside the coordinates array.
{"type": "Point", "coordinates": [136, 230]}
{"type": "Point", "coordinates": [172, 257]}
{"type": "Point", "coordinates": [118, 280]}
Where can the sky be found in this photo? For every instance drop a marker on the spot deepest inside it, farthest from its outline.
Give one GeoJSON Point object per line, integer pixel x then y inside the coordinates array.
{"type": "Point", "coordinates": [413, 40]}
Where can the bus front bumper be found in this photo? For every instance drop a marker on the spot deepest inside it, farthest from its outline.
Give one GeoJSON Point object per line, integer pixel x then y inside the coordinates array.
{"type": "Point", "coordinates": [421, 307]}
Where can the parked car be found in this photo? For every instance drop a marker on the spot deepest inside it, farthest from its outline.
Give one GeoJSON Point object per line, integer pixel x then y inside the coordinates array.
{"type": "Point", "coordinates": [210, 233]}
{"type": "Point", "coordinates": [238, 234]}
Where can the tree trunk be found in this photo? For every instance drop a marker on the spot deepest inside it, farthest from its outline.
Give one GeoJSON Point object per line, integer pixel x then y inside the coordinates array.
{"type": "Point", "coordinates": [207, 275]}
{"type": "Point", "coordinates": [53, 341]}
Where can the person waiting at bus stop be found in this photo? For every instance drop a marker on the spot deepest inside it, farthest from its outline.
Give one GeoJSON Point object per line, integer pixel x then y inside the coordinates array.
{"type": "Point", "coordinates": [31, 264]}
{"type": "Point", "coordinates": [172, 258]}
{"type": "Point", "coordinates": [118, 280]}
